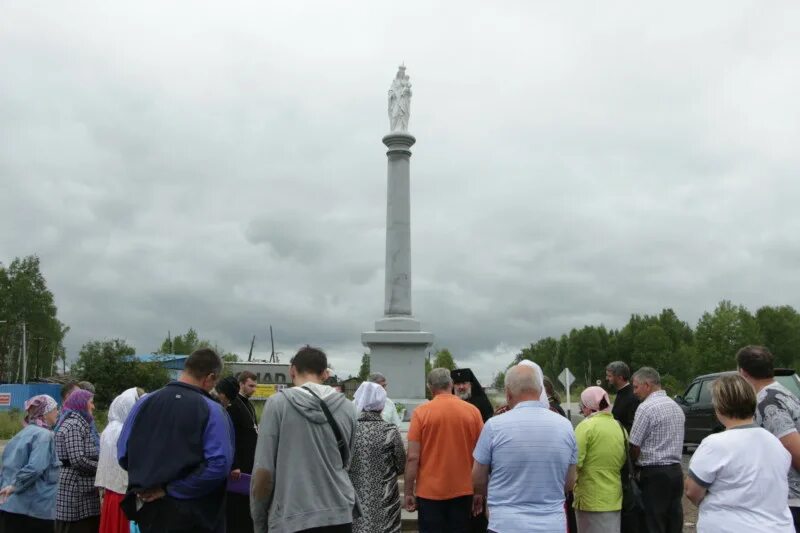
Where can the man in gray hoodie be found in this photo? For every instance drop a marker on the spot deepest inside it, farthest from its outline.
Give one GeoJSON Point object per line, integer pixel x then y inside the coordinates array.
{"type": "Point", "coordinates": [300, 480]}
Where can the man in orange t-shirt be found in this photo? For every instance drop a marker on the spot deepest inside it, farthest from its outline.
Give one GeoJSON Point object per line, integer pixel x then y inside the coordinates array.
{"type": "Point", "coordinates": [441, 439]}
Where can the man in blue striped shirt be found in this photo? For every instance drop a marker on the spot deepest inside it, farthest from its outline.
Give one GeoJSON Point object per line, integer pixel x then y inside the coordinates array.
{"type": "Point", "coordinates": [531, 454]}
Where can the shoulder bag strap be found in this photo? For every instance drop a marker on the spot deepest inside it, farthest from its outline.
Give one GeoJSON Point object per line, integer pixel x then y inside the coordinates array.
{"type": "Point", "coordinates": [627, 449]}
{"type": "Point", "coordinates": [337, 433]}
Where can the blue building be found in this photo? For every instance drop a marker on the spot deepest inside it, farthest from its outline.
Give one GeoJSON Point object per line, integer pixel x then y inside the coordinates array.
{"type": "Point", "coordinates": [173, 363]}
{"type": "Point", "coordinates": [14, 395]}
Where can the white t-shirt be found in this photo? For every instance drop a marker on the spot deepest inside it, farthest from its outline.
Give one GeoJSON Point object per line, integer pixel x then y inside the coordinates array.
{"type": "Point", "coordinates": [744, 470]}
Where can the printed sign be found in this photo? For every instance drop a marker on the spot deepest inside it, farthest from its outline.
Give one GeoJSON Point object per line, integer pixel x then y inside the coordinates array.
{"type": "Point", "coordinates": [263, 392]}
{"type": "Point", "coordinates": [5, 399]}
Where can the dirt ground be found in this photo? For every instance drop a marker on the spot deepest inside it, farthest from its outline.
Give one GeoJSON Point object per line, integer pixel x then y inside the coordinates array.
{"type": "Point", "coordinates": [689, 509]}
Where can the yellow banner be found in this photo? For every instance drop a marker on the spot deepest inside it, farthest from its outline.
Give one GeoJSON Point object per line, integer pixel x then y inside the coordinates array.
{"type": "Point", "coordinates": [263, 392]}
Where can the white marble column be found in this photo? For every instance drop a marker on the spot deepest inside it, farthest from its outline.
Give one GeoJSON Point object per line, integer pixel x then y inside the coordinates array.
{"type": "Point", "coordinates": [397, 345]}
{"type": "Point", "coordinates": [397, 290]}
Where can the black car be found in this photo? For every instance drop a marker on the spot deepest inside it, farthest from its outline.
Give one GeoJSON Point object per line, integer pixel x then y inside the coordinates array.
{"type": "Point", "coordinates": [696, 404]}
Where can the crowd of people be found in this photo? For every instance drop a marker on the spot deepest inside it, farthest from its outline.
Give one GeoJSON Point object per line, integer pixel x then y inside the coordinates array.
{"type": "Point", "coordinates": [193, 456]}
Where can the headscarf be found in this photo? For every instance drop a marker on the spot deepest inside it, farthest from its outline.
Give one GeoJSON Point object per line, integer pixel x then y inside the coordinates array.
{"type": "Point", "coordinates": [78, 402]}
{"type": "Point", "coordinates": [540, 378]}
{"type": "Point", "coordinates": [596, 400]}
{"type": "Point", "coordinates": [229, 387]}
{"type": "Point", "coordinates": [36, 408]}
{"type": "Point", "coordinates": [108, 469]}
{"type": "Point", "coordinates": [370, 397]}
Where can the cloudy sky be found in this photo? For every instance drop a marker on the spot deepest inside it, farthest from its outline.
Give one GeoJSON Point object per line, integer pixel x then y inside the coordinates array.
{"type": "Point", "coordinates": [220, 165]}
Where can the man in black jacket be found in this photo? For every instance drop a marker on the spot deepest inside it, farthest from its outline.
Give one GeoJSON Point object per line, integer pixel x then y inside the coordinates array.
{"type": "Point", "coordinates": [245, 428]}
{"type": "Point", "coordinates": [618, 374]}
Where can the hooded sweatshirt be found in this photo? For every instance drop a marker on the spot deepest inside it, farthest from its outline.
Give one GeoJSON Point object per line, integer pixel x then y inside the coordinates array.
{"type": "Point", "coordinates": [311, 487]}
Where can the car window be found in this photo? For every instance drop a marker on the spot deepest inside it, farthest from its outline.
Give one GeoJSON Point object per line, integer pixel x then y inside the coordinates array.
{"type": "Point", "coordinates": [692, 393]}
{"type": "Point", "coordinates": [705, 393]}
{"type": "Point", "coordinates": [790, 382]}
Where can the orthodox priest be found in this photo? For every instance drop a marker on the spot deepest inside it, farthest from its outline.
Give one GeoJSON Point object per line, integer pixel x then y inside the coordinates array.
{"type": "Point", "coordinates": [466, 387]}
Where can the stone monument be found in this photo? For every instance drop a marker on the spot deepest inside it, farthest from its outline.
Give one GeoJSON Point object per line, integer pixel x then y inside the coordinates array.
{"type": "Point", "coordinates": [398, 346]}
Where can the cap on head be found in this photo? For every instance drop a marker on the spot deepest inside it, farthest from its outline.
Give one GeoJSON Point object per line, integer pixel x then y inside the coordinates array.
{"type": "Point", "coordinates": [462, 375]}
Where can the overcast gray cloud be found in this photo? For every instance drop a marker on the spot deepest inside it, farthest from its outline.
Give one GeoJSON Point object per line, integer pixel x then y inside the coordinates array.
{"type": "Point", "coordinates": [190, 164]}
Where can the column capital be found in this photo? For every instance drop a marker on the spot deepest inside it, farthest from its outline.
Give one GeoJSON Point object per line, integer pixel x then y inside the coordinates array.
{"type": "Point", "coordinates": [399, 141]}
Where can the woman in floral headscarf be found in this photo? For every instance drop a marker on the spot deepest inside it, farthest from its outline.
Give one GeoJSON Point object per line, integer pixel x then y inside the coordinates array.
{"type": "Point", "coordinates": [601, 454]}
{"type": "Point", "coordinates": [30, 471]}
{"type": "Point", "coordinates": [378, 458]}
{"type": "Point", "coordinates": [77, 447]}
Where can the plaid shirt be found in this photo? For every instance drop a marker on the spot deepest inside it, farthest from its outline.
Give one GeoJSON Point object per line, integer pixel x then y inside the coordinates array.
{"type": "Point", "coordinates": [76, 497]}
{"type": "Point", "coordinates": [658, 430]}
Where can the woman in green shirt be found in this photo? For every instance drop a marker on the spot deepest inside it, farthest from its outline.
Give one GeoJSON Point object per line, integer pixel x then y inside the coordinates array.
{"type": "Point", "coordinates": [601, 454]}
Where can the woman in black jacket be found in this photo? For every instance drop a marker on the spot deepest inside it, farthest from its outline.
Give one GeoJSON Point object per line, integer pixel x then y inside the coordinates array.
{"type": "Point", "coordinates": [245, 427]}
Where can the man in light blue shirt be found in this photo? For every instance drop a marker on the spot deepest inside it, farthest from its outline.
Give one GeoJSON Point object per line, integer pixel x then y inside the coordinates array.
{"type": "Point", "coordinates": [531, 454]}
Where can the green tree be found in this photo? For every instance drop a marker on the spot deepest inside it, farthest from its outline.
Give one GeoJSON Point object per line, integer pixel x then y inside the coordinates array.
{"type": "Point", "coordinates": [363, 371]}
{"type": "Point", "coordinates": [780, 327]}
{"type": "Point", "coordinates": [652, 347]}
{"type": "Point", "coordinates": [444, 359]}
{"type": "Point", "coordinates": [720, 334]}
{"type": "Point", "coordinates": [544, 353]}
{"type": "Point", "coordinates": [25, 298]}
{"type": "Point", "coordinates": [111, 367]}
{"type": "Point", "coordinates": [586, 356]}
{"type": "Point", "coordinates": [499, 381]}
{"type": "Point", "coordinates": [190, 341]}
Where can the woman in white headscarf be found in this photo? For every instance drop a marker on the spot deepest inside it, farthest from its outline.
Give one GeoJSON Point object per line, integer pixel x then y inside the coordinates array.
{"type": "Point", "coordinates": [111, 478]}
{"type": "Point", "coordinates": [378, 458]}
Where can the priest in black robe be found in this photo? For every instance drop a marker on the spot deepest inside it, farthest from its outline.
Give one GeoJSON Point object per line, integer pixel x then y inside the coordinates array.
{"type": "Point", "coordinates": [467, 387]}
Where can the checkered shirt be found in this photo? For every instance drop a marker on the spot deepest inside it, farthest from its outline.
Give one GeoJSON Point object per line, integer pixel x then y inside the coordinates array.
{"type": "Point", "coordinates": [77, 497]}
{"type": "Point", "coordinates": [658, 430]}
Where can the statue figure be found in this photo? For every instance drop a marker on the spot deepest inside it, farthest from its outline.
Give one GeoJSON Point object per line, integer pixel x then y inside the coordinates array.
{"type": "Point", "coordinates": [400, 101]}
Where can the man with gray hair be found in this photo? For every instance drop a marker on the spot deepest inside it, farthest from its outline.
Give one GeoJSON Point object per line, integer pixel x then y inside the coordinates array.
{"type": "Point", "coordinates": [657, 445]}
{"type": "Point", "coordinates": [441, 438]}
{"type": "Point", "coordinates": [389, 413]}
{"type": "Point", "coordinates": [531, 453]}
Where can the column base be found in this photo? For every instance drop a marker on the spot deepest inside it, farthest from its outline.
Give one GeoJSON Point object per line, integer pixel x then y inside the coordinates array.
{"type": "Point", "coordinates": [410, 404]}
{"type": "Point", "coordinates": [400, 356]}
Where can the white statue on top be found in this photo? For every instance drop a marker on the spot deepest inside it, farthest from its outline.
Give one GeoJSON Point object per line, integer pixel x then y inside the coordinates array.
{"type": "Point", "coordinates": [400, 101]}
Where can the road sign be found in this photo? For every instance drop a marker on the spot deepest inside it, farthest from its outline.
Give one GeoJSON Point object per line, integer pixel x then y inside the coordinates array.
{"type": "Point", "coordinates": [566, 378]}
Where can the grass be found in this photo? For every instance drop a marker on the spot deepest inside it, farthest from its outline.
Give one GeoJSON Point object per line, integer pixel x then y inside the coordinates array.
{"type": "Point", "coordinates": [11, 422]}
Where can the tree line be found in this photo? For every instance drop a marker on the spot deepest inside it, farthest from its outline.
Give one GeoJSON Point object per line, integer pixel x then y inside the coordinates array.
{"type": "Point", "coordinates": [670, 345]}
{"type": "Point", "coordinates": [110, 364]}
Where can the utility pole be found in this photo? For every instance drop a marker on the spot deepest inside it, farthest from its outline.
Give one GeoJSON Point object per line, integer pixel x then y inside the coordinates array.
{"type": "Point", "coordinates": [274, 357]}
{"type": "Point", "coordinates": [38, 354]}
{"type": "Point", "coordinates": [24, 353]}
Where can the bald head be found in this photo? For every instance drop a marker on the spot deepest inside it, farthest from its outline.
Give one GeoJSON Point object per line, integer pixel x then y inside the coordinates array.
{"type": "Point", "coordinates": [522, 384]}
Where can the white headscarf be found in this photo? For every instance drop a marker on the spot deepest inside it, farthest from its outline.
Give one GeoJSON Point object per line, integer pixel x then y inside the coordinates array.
{"type": "Point", "coordinates": [370, 397]}
{"type": "Point", "coordinates": [109, 474]}
{"type": "Point", "coordinates": [543, 398]}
